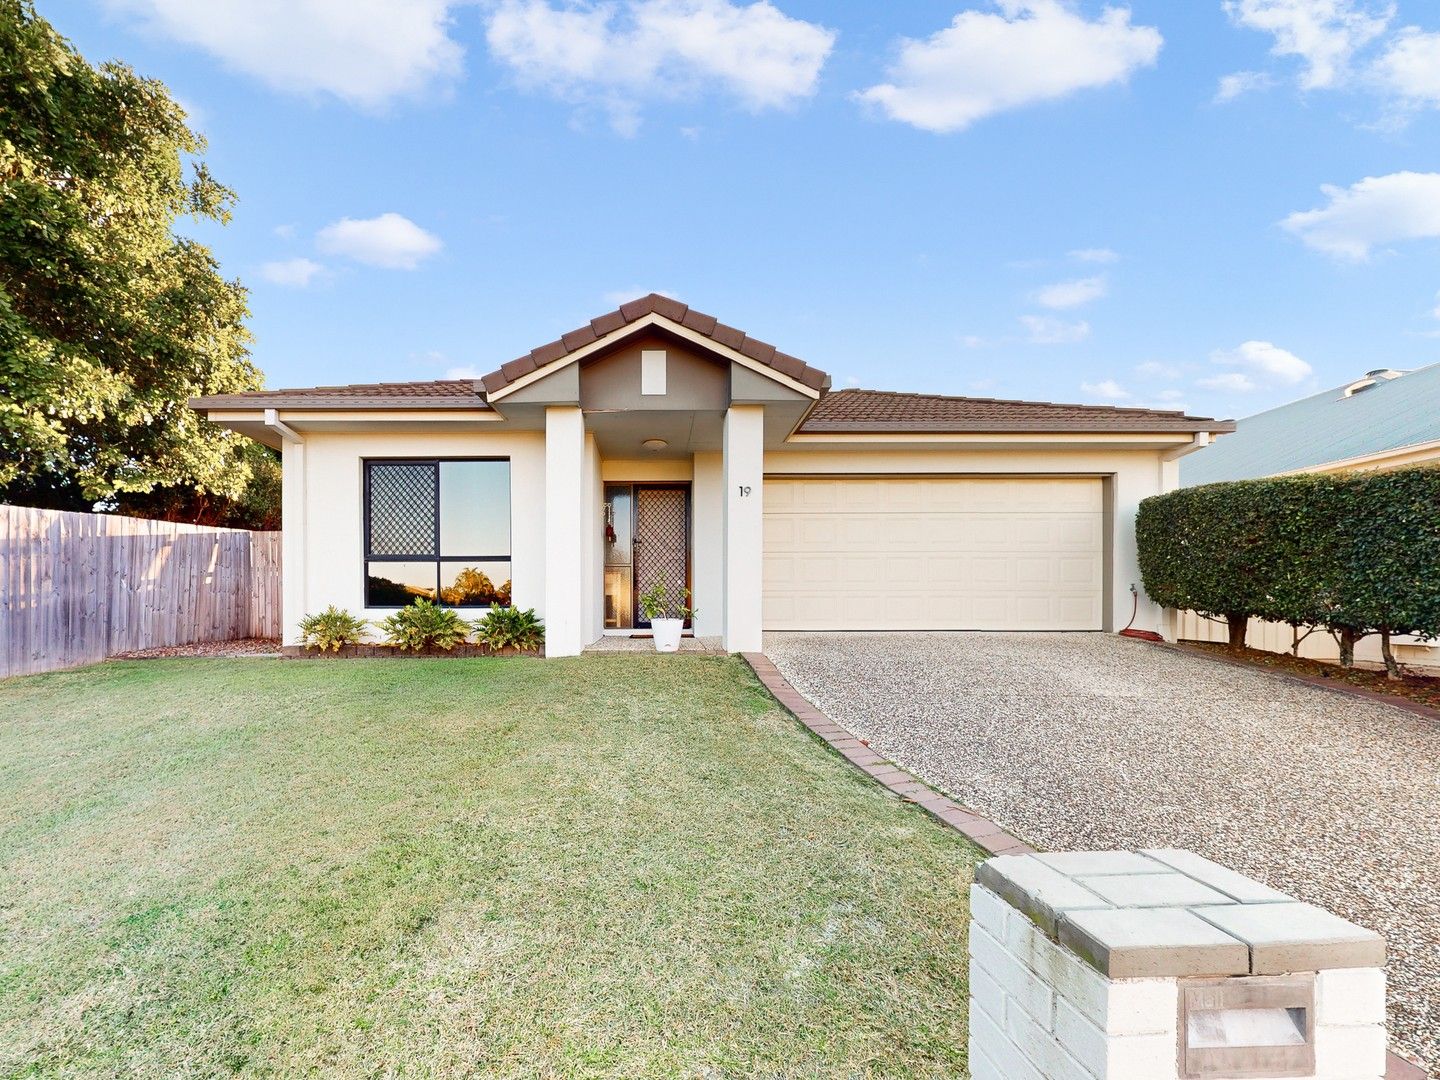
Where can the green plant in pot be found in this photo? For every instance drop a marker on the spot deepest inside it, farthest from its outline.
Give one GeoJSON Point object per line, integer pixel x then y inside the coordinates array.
{"type": "Point", "coordinates": [666, 614]}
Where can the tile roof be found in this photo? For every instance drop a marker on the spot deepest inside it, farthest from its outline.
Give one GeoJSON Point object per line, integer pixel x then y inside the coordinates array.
{"type": "Point", "coordinates": [440, 394]}
{"type": "Point", "coordinates": [881, 411]}
{"type": "Point", "coordinates": [634, 311]}
{"type": "Point", "coordinates": [1325, 428]}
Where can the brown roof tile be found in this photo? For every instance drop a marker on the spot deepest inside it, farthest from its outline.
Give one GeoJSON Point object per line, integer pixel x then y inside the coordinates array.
{"type": "Point", "coordinates": [728, 336]}
{"type": "Point", "coordinates": [607, 323]}
{"type": "Point", "coordinates": [576, 339]}
{"type": "Point", "coordinates": [880, 411]}
{"type": "Point", "coordinates": [440, 394]}
{"type": "Point", "coordinates": [700, 322]}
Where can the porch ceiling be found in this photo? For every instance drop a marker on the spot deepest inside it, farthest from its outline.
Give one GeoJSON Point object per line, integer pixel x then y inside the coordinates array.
{"type": "Point", "coordinates": [622, 434]}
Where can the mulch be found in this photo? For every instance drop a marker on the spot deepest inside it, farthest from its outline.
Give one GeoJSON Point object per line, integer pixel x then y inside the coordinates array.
{"type": "Point", "coordinates": [1412, 689]}
{"type": "Point", "coordinates": [210, 649]}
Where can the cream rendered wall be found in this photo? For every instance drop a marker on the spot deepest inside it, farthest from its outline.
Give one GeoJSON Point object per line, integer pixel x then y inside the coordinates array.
{"type": "Point", "coordinates": [566, 482]}
{"type": "Point", "coordinates": [743, 503]}
{"type": "Point", "coordinates": [707, 525]}
{"type": "Point", "coordinates": [594, 545]}
{"type": "Point", "coordinates": [293, 515]}
{"type": "Point", "coordinates": [1133, 475]}
{"type": "Point", "coordinates": [324, 559]}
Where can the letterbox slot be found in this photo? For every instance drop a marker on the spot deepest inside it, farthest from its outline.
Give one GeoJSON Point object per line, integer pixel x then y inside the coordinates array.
{"type": "Point", "coordinates": [1260, 1026]}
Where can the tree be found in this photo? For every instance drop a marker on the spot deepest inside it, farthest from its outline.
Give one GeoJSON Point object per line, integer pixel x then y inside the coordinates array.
{"type": "Point", "coordinates": [109, 321]}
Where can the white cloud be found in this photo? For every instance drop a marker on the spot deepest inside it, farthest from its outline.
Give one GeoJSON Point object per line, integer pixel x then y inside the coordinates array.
{"type": "Point", "coordinates": [390, 241]}
{"type": "Point", "coordinates": [1436, 312]}
{"type": "Point", "coordinates": [620, 56]}
{"type": "Point", "coordinates": [284, 232]}
{"type": "Point", "coordinates": [469, 371]}
{"type": "Point", "coordinates": [1170, 395]}
{"type": "Point", "coordinates": [1045, 330]}
{"type": "Point", "coordinates": [1070, 294]}
{"type": "Point", "coordinates": [1107, 389]}
{"type": "Point", "coordinates": [1377, 210]}
{"type": "Point", "coordinates": [1239, 83]}
{"type": "Point", "coordinates": [1030, 51]}
{"type": "Point", "coordinates": [1410, 68]}
{"type": "Point", "coordinates": [1324, 34]}
{"type": "Point", "coordinates": [1258, 362]}
{"type": "Point", "coordinates": [1095, 255]}
{"type": "Point", "coordinates": [1236, 382]}
{"type": "Point", "coordinates": [293, 273]}
{"type": "Point", "coordinates": [365, 52]}
{"type": "Point", "coordinates": [1155, 369]}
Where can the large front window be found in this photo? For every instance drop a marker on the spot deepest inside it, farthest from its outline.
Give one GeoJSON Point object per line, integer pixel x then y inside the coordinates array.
{"type": "Point", "coordinates": [438, 530]}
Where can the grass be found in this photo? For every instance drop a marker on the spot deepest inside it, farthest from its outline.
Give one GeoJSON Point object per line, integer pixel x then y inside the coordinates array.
{"type": "Point", "coordinates": [628, 866]}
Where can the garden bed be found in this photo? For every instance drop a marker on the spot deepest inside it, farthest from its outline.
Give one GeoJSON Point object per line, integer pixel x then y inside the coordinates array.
{"type": "Point", "coordinates": [374, 652]}
{"type": "Point", "coordinates": [1421, 690]}
{"type": "Point", "coordinates": [224, 650]}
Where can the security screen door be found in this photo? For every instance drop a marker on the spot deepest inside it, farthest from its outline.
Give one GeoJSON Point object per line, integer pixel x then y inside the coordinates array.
{"type": "Point", "coordinates": [661, 541]}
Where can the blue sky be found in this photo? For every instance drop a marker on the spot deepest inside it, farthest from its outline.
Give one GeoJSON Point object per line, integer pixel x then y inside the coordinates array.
{"type": "Point", "coordinates": [1204, 204]}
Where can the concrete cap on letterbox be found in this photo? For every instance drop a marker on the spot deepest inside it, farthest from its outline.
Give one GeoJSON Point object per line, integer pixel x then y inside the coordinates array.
{"type": "Point", "coordinates": [1168, 913]}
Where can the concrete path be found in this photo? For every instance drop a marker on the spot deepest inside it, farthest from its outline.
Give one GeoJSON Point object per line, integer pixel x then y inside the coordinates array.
{"type": "Point", "coordinates": [1092, 741]}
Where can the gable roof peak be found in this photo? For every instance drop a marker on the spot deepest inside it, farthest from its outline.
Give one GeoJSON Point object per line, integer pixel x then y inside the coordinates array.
{"type": "Point", "coordinates": [633, 311]}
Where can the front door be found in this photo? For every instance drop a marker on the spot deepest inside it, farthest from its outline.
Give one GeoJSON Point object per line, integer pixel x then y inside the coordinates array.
{"type": "Point", "coordinates": [659, 541]}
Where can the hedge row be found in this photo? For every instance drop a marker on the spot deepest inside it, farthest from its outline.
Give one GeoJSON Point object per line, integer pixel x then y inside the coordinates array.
{"type": "Point", "coordinates": [1350, 553]}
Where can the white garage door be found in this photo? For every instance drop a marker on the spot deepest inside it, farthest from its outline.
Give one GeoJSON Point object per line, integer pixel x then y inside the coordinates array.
{"type": "Point", "coordinates": [935, 553]}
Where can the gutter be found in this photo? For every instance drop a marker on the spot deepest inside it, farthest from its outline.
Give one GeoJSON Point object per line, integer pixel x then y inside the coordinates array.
{"type": "Point", "coordinates": [284, 430]}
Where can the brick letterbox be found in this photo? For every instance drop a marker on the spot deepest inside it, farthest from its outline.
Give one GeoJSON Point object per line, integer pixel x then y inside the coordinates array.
{"type": "Point", "coordinates": [1161, 965]}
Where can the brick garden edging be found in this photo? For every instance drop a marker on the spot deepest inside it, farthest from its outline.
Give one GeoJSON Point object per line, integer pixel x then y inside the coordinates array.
{"type": "Point", "coordinates": [390, 652]}
{"type": "Point", "coordinates": [981, 831]}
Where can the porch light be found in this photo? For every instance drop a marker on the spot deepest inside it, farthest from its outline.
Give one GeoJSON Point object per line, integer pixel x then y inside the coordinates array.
{"type": "Point", "coordinates": [654, 444]}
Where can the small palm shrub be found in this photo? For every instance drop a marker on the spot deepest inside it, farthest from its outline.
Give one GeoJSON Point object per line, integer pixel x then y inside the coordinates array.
{"type": "Point", "coordinates": [423, 624]}
{"type": "Point", "coordinates": [332, 629]}
{"type": "Point", "coordinates": [510, 628]}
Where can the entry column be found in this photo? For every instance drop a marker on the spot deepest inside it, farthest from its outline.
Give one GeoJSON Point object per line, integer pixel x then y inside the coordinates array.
{"type": "Point", "coordinates": [744, 525]}
{"type": "Point", "coordinates": [564, 530]}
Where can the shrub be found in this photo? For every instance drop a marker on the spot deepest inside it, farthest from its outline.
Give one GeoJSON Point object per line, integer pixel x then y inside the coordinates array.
{"type": "Point", "coordinates": [1354, 553]}
{"type": "Point", "coordinates": [423, 624]}
{"type": "Point", "coordinates": [510, 628]}
{"type": "Point", "coordinates": [332, 629]}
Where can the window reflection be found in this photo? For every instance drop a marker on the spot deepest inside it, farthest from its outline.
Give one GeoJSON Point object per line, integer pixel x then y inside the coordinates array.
{"type": "Point", "coordinates": [474, 508]}
{"type": "Point", "coordinates": [395, 584]}
{"type": "Point", "coordinates": [471, 584]}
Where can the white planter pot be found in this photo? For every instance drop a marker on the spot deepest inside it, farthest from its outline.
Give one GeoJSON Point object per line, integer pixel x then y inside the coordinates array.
{"type": "Point", "coordinates": [667, 634]}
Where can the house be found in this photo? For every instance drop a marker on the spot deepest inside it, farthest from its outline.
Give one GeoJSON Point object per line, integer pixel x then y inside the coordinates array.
{"type": "Point", "coordinates": [655, 442]}
{"type": "Point", "coordinates": [1382, 420]}
{"type": "Point", "coordinates": [1385, 419]}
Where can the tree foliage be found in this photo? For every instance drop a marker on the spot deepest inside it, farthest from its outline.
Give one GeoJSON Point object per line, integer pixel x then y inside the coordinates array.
{"type": "Point", "coordinates": [1354, 553]}
{"type": "Point", "coordinates": [109, 321]}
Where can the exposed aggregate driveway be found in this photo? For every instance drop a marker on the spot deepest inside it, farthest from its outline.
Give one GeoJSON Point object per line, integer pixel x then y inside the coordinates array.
{"type": "Point", "coordinates": [1084, 741]}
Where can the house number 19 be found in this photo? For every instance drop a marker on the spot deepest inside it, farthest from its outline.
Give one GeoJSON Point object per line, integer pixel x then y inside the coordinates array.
{"type": "Point", "coordinates": [744, 491]}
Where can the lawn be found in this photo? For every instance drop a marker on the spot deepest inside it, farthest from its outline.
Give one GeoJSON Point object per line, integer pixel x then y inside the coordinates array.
{"type": "Point", "coordinates": [619, 866]}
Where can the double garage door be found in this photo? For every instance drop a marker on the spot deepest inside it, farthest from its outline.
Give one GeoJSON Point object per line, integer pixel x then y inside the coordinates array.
{"type": "Point", "coordinates": [934, 553]}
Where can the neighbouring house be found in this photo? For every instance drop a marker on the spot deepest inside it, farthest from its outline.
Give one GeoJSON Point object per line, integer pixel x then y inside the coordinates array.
{"type": "Point", "coordinates": [1385, 419]}
{"type": "Point", "coordinates": [655, 442]}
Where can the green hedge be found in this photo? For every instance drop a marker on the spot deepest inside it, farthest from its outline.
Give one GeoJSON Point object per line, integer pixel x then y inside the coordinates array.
{"type": "Point", "coordinates": [1352, 553]}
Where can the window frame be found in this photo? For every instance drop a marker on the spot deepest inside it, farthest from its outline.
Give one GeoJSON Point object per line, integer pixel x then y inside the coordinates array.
{"type": "Point", "coordinates": [437, 558]}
